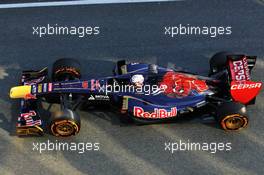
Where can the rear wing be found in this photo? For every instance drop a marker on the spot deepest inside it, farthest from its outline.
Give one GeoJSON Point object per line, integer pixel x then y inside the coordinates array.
{"type": "Point", "coordinates": [240, 66]}
{"type": "Point", "coordinates": [242, 89]}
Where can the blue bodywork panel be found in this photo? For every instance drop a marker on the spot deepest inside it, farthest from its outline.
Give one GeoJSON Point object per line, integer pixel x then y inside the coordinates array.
{"type": "Point", "coordinates": [149, 103]}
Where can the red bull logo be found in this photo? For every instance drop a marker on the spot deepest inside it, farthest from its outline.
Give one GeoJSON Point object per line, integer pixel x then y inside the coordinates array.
{"type": "Point", "coordinates": [156, 114]}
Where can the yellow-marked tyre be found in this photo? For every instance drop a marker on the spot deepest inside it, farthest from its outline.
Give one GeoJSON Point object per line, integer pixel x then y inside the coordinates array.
{"type": "Point", "coordinates": [64, 128]}
{"type": "Point", "coordinates": [64, 123]}
{"type": "Point", "coordinates": [66, 69]}
{"type": "Point", "coordinates": [234, 122]}
{"type": "Point", "coordinates": [232, 116]}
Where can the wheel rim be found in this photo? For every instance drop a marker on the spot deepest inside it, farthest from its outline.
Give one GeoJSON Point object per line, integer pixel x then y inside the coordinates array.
{"type": "Point", "coordinates": [234, 122]}
{"type": "Point", "coordinates": [64, 128]}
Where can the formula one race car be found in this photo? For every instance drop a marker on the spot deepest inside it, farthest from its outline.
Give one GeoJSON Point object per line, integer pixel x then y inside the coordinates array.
{"type": "Point", "coordinates": [144, 92]}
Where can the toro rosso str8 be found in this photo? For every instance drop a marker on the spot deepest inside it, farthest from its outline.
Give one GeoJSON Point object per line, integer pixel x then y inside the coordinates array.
{"type": "Point", "coordinates": [144, 92]}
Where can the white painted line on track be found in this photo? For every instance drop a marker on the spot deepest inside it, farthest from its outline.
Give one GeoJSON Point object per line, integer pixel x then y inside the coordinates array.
{"type": "Point", "coordinates": [72, 3]}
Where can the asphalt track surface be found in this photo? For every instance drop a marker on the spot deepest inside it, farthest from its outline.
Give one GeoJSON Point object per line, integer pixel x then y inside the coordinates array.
{"type": "Point", "coordinates": [133, 32]}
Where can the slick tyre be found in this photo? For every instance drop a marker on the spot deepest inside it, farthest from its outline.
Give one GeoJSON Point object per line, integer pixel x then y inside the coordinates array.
{"type": "Point", "coordinates": [218, 62]}
{"type": "Point", "coordinates": [232, 116]}
{"type": "Point", "coordinates": [66, 69]}
{"type": "Point", "coordinates": [64, 123]}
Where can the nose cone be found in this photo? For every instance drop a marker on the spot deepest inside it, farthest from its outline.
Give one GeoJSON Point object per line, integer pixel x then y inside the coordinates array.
{"type": "Point", "coordinates": [19, 91]}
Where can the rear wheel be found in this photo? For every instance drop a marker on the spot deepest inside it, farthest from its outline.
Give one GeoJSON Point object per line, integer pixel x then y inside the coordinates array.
{"type": "Point", "coordinates": [218, 61]}
{"type": "Point", "coordinates": [65, 123]}
{"type": "Point", "coordinates": [232, 116]}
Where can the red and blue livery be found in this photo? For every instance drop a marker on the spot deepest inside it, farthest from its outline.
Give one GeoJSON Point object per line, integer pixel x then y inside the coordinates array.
{"type": "Point", "coordinates": [143, 92]}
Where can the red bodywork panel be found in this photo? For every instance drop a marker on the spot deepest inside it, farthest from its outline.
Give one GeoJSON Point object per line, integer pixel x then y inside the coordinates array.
{"type": "Point", "coordinates": [242, 89]}
{"type": "Point", "coordinates": [245, 91]}
{"type": "Point", "coordinates": [181, 84]}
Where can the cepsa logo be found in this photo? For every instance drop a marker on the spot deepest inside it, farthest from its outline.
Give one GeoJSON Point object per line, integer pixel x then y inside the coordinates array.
{"type": "Point", "coordinates": [245, 86]}
{"type": "Point", "coordinates": [244, 91]}
{"type": "Point", "coordinates": [158, 113]}
{"type": "Point", "coordinates": [241, 71]}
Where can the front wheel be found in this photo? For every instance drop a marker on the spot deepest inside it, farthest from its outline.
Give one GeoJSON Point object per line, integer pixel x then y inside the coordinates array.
{"type": "Point", "coordinates": [65, 123]}
{"type": "Point", "coordinates": [232, 116]}
{"type": "Point", "coordinates": [66, 69]}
